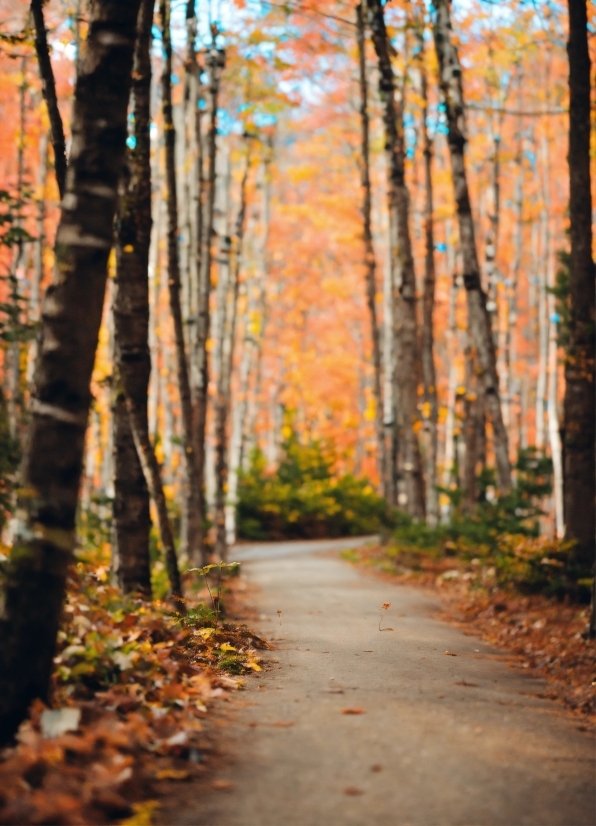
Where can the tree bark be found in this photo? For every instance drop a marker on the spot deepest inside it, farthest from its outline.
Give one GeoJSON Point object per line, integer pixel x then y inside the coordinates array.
{"type": "Point", "coordinates": [580, 413]}
{"type": "Point", "coordinates": [369, 251]}
{"type": "Point", "coordinates": [430, 411]}
{"type": "Point", "coordinates": [132, 360]}
{"type": "Point", "coordinates": [404, 278]}
{"type": "Point", "coordinates": [152, 476]}
{"type": "Point", "coordinates": [478, 317]}
{"type": "Point", "coordinates": [222, 403]}
{"type": "Point", "coordinates": [48, 86]}
{"type": "Point", "coordinates": [215, 62]}
{"type": "Point", "coordinates": [193, 475]}
{"type": "Point", "coordinates": [35, 580]}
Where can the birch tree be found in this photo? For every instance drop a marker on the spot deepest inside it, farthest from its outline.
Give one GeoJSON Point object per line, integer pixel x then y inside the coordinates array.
{"type": "Point", "coordinates": [478, 316]}
{"type": "Point", "coordinates": [402, 267]}
{"type": "Point", "coordinates": [369, 251]}
{"type": "Point", "coordinates": [36, 576]}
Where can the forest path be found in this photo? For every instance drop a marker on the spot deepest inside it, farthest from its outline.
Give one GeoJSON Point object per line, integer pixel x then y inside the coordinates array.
{"type": "Point", "coordinates": [442, 740]}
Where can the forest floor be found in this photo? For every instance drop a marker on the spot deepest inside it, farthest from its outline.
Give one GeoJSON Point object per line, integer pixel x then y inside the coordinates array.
{"type": "Point", "coordinates": [417, 723]}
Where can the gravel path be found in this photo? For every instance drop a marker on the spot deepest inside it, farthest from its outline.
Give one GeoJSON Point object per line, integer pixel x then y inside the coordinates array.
{"type": "Point", "coordinates": [440, 740]}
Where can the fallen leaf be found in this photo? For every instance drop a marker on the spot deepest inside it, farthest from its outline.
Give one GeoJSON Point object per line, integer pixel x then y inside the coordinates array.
{"type": "Point", "coordinates": [143, 814]}
{"type": "Point", "coordinates": [353, 791]}
{"type": "Point", "coordinates": [385, 629]}
{"type": "Point", "coordinates": [469, 685]}
{"type": "Point", "coordinates": [221, 784]}
{"type": "Point", "coordinates": [352, 711]}
{"type": "Point", "coordinates": [172, 774]}
{"type": "Point", "coordinates": [450, 654]}
{"type": "Point", "coordinates": [225, 646]}
{"type": "Point", "coordinates": [55, 722]}
{"type": "Point", "coordinates": [376, 768]}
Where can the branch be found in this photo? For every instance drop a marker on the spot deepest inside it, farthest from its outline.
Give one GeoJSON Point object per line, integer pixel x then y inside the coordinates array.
{"type": "Point", "coordinates": [49, 93]}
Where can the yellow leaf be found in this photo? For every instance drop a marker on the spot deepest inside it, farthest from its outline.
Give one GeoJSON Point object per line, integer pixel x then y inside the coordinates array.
{"type": "Point", "coordinates": [205, 632]}
{"type": "Point", "coordinates": [143, 814]}
{"type": "Point", "coordinates": [226, 647]}
{"type": "Point", "coordinates": [254, 665]}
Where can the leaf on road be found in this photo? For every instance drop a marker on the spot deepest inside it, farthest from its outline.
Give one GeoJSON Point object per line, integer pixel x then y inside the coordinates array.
{"type": "Point", "coordinates": [469, 685]}
{"type": "Point", "coordinates": [353, 791]}
{"type": "Point", "coordinates": [172, 774]}
{"type": "Point", "coordinates": [352, 711]}
{"type": "Point", "coordinates": [450, 654]}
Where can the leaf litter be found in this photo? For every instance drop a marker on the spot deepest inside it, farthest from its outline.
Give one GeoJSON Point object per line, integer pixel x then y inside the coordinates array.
{"type": "Point", "coordinates": [132, 685]}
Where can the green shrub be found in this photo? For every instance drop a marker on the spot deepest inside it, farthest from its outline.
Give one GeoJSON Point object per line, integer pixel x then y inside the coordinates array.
{"type": "Point", "coordinates": [303, 498]}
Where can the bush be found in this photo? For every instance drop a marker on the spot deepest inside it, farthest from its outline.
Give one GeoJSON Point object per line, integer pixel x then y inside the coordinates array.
{"type": "Point", "coordinates": [303, 499]}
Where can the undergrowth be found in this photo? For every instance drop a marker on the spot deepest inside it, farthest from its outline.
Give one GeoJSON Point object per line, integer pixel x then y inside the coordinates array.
{"type": "Point", "coordinates": [304, 497]}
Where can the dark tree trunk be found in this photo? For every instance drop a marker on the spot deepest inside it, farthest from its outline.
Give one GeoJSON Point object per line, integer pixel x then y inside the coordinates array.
{"type": "Point", "coordinates": [193, 482]}
{"type": "Point", "coordinates": [48, 86]}
{"type": "Point", "coordinates": [71, 316]}
{"type": "Point", "coordinates": [215, 61]}
{"type": "Point", "coordinates": [428, 305]}
{"type": "Point", "coordinates": [478, 317]}
{"type": "Point", "coordinates": [404, 278]}
{"type": "Point", "coordinates": [152, 475]}
{"type": "Point", "coordinates": [132, 361]}
{"type": "Point", "coordinates": [580, 413]}
{"type": "Point", "coordinates": [369, 251]}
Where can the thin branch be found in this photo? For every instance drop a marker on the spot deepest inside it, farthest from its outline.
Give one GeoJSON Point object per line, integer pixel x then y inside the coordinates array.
{"type": "Point", "coordinates": [48, 84]}
{"type": "Point", "coordinates": [519, 112]}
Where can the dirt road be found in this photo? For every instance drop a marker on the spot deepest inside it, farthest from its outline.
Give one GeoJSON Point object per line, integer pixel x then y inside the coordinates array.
{"type": "Point", "coordinates": [440, 740]}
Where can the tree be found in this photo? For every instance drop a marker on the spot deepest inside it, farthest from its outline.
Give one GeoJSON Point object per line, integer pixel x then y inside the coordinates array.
{"type": "Point", "coordinates": [132, 361]}
{"type": "Point", "coordinates": [429, 377]}
{"type": "Point", "coordinates": [192, 456]}
{"type": "Point", "coordinates": [36, 573]}
{"type": "Point", "coordinates": [369, 251]}
{"type": "Point", "coordinates": [580, 413]}
{"type": "Point", "coordinates": [450, 76]}
{"type": "Point", "coordinates": [402, 267]}
{"type": "Point", "coordinates": [215, 61]}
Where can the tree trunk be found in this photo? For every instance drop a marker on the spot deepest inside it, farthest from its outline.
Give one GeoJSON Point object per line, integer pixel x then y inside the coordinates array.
{"type": "Point", "coordinates": [580, 414]}
{"type": "Point", "coordinates": [36, 577]}
{"type": "Point", "coordinates": [404, 278]}
{"type": "Point", "coordinates": [222, 404]}
{"type": "Point", "coordinates": [48, 86]}
{"type": "Point", "coordinates": [132, 360]}
{"type": "Point", "coordinates": [369, 252]}
{"type": "Point", "coordinates": [192, 480]}
{"type": "Point", "coordinates": [215, 62]}
{"type": "Point", "coordinates": [430, 410]}
{"type": "Point", "coordinates": [40, 243]}
{"type": "Point", "coordinates": [478, 317]}
{"type": "Point", "coordinates": [152, 476]}
{"type": "Point", "coordinates": [542, 330]}
{"type": "Point", "coordinates": [510, 382]}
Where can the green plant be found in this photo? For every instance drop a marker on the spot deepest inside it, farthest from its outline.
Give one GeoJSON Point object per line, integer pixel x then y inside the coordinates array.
{"type": "Point", "coordinates": [231, 568]}
{"type": "Point", "coordinates": [304, 497]}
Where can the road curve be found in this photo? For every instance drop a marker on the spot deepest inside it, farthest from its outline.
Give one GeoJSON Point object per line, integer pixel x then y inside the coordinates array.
{"type": "Point", "coordinates": [436, 740]}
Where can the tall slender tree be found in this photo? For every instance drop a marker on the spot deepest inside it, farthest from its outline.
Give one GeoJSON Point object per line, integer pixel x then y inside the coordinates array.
{"type": "Point", "coordinates": [429, 377]}
{"type": "Point", "coordinates": [215, 62]}
{"type": "Point", "coordinates": [478, 317]}
{"type": "Point", "coordinates": [580, 412]}
{"type": "Point", "coordinates": [369, 250]}
{"type": "Point", "coordinates": [191, 456]}
{"type": "Point", "coordinates": [402, 264]}
{"type": "Point", "coordinates": [132, 361]}
{"type": "Point", "coordinates": [35, 581]}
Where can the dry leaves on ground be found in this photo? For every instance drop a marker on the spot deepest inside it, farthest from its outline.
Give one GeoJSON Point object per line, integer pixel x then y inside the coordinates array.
{"type": "Point", "coordinates": [131, 688]}
{"type": "Point", "coordinates": [545, 636]}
